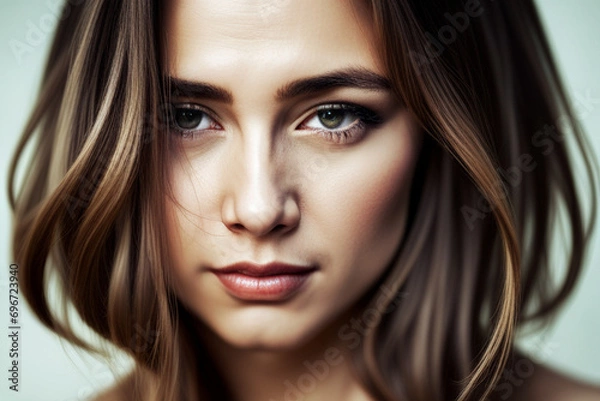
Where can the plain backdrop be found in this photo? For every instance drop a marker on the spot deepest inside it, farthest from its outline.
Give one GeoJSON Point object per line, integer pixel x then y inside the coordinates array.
{"type": "Point", "coordinates": [51, 370]}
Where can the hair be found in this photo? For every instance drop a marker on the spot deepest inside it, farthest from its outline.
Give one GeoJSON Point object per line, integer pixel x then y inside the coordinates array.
{"type": "Point", "coordinates": [494, 174]}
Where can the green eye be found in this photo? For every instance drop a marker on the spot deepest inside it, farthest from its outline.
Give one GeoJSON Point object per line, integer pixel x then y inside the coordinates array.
{"type": "Point", "coordinates": [331, 118]}
{"type": "Point", "coordinates": [342, 123]}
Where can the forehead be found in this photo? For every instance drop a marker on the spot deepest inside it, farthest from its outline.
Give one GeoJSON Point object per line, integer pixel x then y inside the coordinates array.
{"type": "Point", "coordinates": [252, 39]}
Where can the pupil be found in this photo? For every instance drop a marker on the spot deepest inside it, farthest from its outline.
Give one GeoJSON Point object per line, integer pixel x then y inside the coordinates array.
{"type": "Point", "coordinates": [188, 118]}
{"type": "Point", "coordinates": [331, 118]}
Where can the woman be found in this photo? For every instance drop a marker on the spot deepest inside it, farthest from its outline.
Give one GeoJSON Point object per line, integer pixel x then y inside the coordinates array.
{"type": "Point", "coordinates": [304, 200]}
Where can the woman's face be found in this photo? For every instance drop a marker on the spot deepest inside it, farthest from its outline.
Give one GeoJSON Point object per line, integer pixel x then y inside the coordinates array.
{"type": "Point", "coordinates": [295, 162]}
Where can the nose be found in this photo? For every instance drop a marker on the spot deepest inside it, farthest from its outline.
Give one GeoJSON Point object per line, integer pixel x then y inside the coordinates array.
{"type": "Point", "coordinates": [261, 201]}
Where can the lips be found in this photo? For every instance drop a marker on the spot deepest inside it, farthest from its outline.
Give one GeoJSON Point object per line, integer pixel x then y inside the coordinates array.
{"type": "Point", "coordinates": [269, 282]}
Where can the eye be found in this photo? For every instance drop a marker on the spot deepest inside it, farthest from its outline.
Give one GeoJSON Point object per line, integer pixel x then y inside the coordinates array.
{"type": "Point", "coordinates": [189, 118]}
{"type": "Point", "coordinates": [331, 117]}
{"type": "Point", "coordinates": [341, 122]}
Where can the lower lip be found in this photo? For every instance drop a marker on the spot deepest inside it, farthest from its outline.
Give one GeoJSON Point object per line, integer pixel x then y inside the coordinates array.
{"type": "Point", "coordinates": [264, 288]}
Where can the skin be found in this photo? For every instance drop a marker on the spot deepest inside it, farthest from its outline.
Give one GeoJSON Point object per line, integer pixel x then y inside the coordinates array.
{"type": "Point", "coordinates": [256, 187]}
{"type": "Point", "coordinates": [551, 385]}
{"type": "Point", "coordinates": [260, 183]}
{"type": "Point", "coordinates": [544, 385]}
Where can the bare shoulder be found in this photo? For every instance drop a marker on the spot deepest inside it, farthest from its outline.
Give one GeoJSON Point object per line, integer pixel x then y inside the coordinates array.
{"type": "Point", "coordinates": [121, 391]}
{"type": "Point", "coordinates": [547, 384]}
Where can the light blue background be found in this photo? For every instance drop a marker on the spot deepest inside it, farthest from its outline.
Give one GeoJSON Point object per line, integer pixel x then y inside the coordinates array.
{"type": "Point", "coordinates": [52, 371]}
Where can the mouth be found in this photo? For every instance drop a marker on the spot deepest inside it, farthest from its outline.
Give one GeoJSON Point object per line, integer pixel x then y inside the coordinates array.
{"type": "Point", "coordinates": [270, 282]}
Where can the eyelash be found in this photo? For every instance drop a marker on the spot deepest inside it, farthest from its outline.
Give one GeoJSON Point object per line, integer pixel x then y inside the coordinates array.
{"type": "Point", "coordinates": [193, 132]}
{"type": "Point", "coordinates": [363, 118]}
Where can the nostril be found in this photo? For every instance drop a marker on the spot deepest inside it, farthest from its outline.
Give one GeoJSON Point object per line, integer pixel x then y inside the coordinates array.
{"type": "Point", "coordinates": [258, 217]}
{"type": "Point", "coordinates": [278, 228]}
{"type": "Point", "coordinates": [237, 227]}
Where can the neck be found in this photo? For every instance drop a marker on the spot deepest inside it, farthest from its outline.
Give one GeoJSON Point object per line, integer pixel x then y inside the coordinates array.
{"type": "Point", "coordinates": [321, 369]}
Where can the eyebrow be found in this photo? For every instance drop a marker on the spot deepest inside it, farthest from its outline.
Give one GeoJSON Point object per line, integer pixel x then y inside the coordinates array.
{"type": "Point", "coordinates": [360, 78]}
{"type": "Point", "coordinates": [184, 88]}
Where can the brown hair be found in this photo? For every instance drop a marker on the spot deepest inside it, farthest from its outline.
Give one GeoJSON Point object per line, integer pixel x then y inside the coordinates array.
{"type": "Point", "coordinates": [494, 171]}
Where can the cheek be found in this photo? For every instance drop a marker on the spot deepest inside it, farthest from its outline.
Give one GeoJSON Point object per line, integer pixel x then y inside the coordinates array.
{"type": "Point", "coordinates": [177, 226]}
{"type": "Point", "coordinates": [183, 224]}
{"type": "Point", "coordinates": [191, 210]}
{"type": "Point", "coordinates": [377, 204]}
{"type": "Point", "coordinates": [362, 211]}
{"type": "Point", "coordinates": [357, 212]}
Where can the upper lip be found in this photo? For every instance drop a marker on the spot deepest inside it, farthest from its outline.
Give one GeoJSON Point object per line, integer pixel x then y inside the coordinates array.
{"type": "Point", "coordinates": [258, 270]}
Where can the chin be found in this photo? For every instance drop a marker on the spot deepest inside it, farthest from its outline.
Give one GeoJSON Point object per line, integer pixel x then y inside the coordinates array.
{"type": "Point", "coordinates": [278, 335]}
{"type": "Point", "coordinates": [282, 343]}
